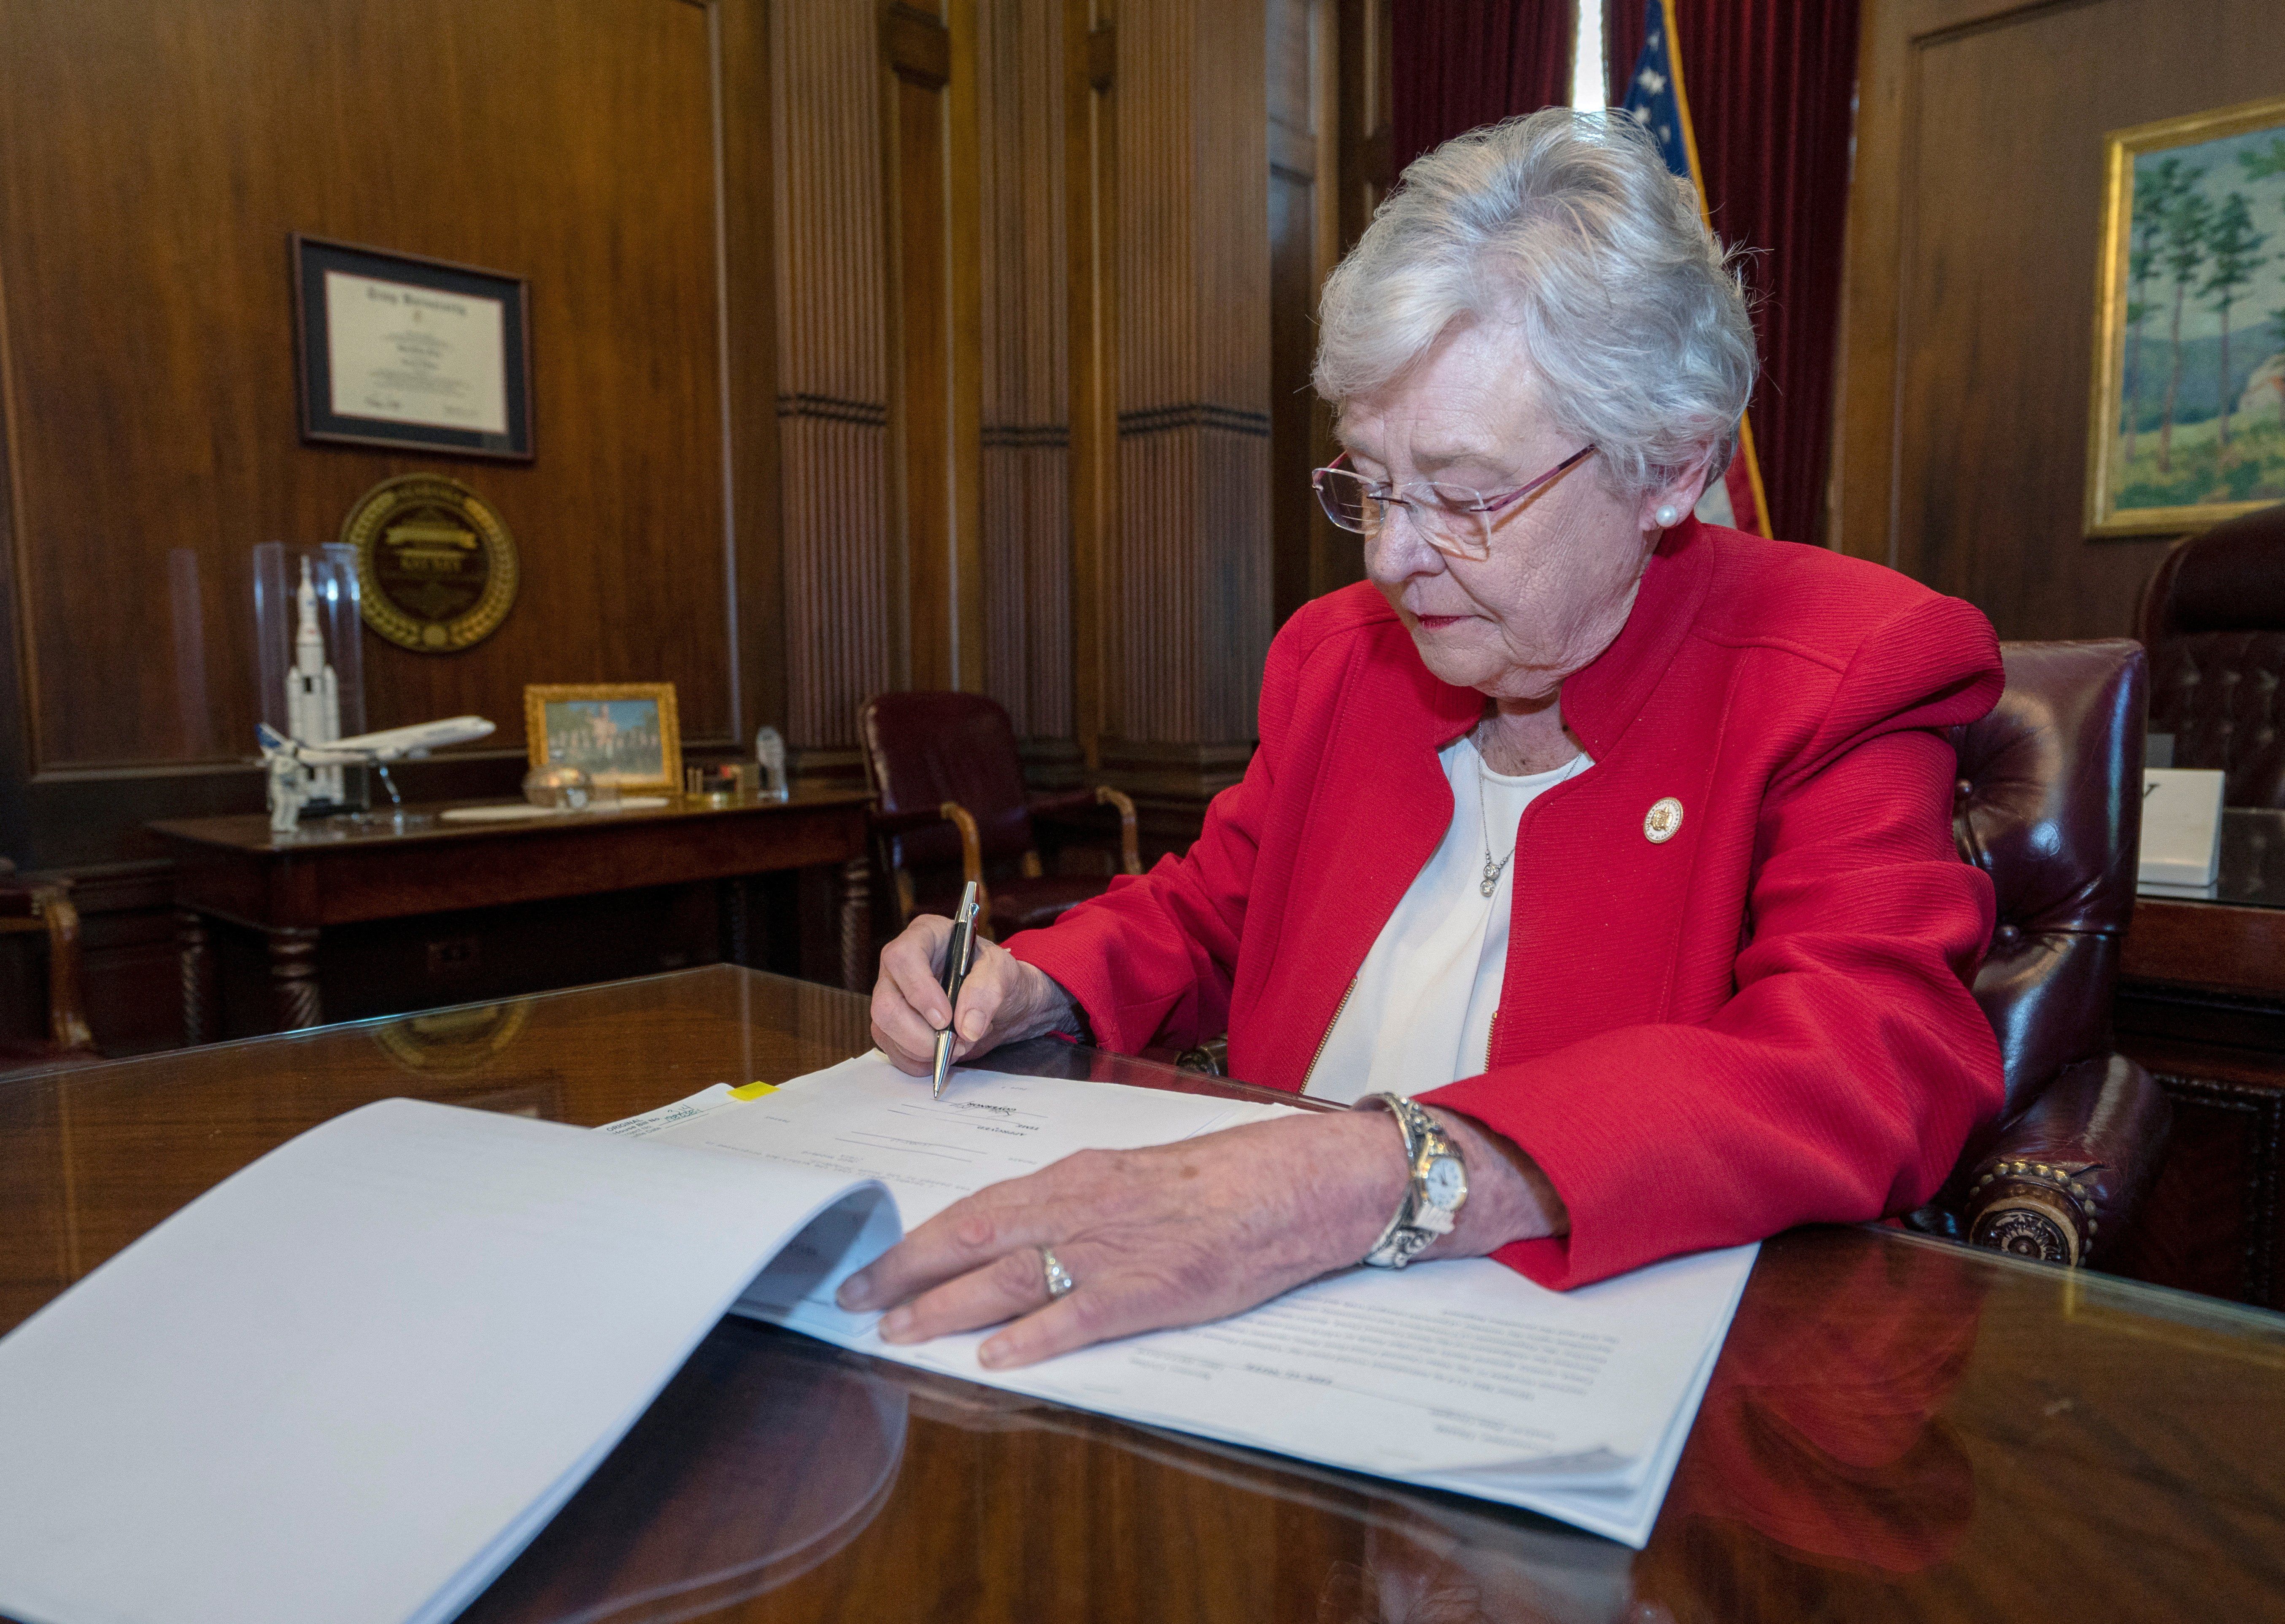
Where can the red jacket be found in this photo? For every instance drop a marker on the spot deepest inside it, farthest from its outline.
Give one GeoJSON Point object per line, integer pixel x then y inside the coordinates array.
{"type": "Point", "coordinates": [1763, 1021]}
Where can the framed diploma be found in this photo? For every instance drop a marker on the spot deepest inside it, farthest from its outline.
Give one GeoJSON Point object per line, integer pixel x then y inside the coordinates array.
{"type": "Point", "coordinates": [405, 352]}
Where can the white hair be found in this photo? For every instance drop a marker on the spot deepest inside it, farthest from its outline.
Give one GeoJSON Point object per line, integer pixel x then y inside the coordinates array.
{"type": "Point", "coordinates": [1569, 227]}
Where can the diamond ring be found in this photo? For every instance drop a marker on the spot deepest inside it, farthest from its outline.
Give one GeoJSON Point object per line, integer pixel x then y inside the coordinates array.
{"type": "Point", "coordinates": [1059, 1280]}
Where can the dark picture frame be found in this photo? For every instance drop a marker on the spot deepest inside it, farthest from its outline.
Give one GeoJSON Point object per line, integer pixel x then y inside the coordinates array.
{"type": "Point", "coordinates": [313, 257]}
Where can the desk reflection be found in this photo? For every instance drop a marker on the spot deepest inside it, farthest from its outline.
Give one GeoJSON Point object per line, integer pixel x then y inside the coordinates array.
{"type": "Point", "coordinates": [756, 1464]}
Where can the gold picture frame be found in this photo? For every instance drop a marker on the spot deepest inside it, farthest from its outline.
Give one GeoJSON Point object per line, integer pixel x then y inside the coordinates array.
{"type": "Point", "coordinates": [625, 734]}
{"type": "Point", "coordinates": [2185, 427]}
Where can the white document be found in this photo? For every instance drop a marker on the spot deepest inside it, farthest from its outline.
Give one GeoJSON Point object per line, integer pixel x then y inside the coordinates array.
{"type": "Point", "coordinates": [1458, 1374]}
{"type": "Point", "coordinates": [415, 354]}
{"type": "Point", "coordinates": [2181, 826]}
{"type": "Point", "coordinates": [352, 1382]}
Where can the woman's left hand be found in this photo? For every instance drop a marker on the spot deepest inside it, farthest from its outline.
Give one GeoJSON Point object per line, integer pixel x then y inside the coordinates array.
{"type": "Point", "coordinates": [1168, 1235]}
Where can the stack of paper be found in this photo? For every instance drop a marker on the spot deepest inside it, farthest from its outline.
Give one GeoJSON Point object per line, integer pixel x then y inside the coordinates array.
{"type": "Point", "coordinates": [353, 1381]}
{"type": "Point", "coordinates": [1461, 1375]}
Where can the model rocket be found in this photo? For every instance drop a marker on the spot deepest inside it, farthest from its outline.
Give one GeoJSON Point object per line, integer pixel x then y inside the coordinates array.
{"type": "Point", "coordinates": [313, 702]}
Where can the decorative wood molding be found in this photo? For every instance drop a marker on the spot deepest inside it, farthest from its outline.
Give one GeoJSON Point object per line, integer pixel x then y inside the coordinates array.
{"type": "Point", "coordinates": [1091, 279]}
{"type": "Point", "coordinates": [929, 152]}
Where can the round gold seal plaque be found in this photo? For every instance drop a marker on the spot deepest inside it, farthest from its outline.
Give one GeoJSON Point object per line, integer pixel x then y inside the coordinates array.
{"type": "Point", "coordinates": [436, 568]}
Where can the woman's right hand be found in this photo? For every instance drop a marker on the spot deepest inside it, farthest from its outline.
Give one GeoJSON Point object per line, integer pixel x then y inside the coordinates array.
{"type": "Point", "coordinates": [1003, 999]}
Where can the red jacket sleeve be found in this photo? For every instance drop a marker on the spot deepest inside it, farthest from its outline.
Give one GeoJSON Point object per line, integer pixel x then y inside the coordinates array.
{"type": "Point", "coordinates": [1841, 1080]}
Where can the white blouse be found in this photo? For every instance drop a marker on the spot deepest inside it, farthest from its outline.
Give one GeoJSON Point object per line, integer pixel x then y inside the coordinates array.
{"type": "Point", "coordinates": [1419, 1013]}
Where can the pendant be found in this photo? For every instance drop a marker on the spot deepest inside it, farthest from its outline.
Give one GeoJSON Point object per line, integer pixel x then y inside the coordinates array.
{"type": "Point", "coordinates": [1491, 879]}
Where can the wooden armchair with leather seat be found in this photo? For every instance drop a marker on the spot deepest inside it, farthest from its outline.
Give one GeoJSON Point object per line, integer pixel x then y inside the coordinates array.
{"type": "Point", "coordinates": [952, 807]}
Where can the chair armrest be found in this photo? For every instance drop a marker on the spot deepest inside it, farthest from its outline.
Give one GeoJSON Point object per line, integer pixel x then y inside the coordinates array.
{"type": "Point", "coordinates": [2067, 1177]}
{"type": "Point", "coordinates": [1075, 805]}
{"type": "Point", "coordinates": [45, 906]}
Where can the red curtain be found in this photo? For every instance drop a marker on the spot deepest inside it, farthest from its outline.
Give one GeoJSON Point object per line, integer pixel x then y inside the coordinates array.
{"type": "Point", "coordinates": [1771, 85]}
{"type": "Point", "coordinates": [1457, 64]}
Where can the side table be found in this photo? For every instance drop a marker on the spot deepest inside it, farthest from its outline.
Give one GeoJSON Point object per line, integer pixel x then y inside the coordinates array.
{"type": "Point", "coordinates": [292, 887]}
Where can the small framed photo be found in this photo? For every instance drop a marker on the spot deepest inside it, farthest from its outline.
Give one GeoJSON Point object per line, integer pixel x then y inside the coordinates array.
{"type": "Point", "coordinates": [2188, 427]}
{"type": "Point", "coordinates": [618, 733]}
{"type": "Point", "coordinates": [409, 353]}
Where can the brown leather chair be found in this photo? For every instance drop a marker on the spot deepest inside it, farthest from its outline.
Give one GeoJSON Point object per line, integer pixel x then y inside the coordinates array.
{"type": "Point", "coordinates": [2213, 619]}
{"type": "Point", "coordinates": [2046, 803]}
{"type": "Point", "coordinates": [45, 908]}
{"type": "Point", "coordinates": [953, 808]}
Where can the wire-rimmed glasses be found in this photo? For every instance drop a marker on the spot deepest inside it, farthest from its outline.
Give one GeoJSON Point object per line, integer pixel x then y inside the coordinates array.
{"type": "Point", "coordinates": [1452, 518]}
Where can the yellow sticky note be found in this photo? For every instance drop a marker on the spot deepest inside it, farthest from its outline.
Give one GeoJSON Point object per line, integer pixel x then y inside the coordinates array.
{"type": "Point", "coordinates": [753, 1091]}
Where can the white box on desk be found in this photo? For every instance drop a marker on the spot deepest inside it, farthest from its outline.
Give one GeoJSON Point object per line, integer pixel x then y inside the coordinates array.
{"type": "Point", "coordinates": [2181, 826]}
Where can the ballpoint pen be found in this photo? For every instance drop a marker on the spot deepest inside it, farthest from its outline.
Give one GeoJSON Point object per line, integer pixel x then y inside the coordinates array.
{"type": "Point", "coordinates": [957, 954]}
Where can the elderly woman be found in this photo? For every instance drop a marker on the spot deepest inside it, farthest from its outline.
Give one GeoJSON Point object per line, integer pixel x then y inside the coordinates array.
{"type": "Point", "coordinates": [1607, 851]}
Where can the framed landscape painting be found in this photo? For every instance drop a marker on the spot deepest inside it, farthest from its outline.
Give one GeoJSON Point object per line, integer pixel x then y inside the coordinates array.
{"type": "Point", "coordinates": [618, 733]}
{"type": "Point", "coordinates": [2188, 420]}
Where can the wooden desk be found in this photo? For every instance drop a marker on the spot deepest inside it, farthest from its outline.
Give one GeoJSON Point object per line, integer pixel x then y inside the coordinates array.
{"type": "Point", "coordinates": [331, 872]}
{"type": "Point", "coordinates": [1898, 1430]}
{"type": "Point", "coordinates": [2200, 1001]}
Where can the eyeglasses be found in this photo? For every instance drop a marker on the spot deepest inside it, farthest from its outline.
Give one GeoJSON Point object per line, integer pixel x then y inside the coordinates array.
{"type": "Point", "coordinates": [1452, 518]}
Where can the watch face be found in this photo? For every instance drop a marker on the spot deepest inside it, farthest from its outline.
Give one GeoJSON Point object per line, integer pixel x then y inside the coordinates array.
{"type": "Point", "coordinates": [1446, 1182]}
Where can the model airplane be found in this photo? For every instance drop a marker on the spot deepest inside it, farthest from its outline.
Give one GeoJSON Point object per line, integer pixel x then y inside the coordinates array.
{"type": "Point", "coordinates": [284, 758]}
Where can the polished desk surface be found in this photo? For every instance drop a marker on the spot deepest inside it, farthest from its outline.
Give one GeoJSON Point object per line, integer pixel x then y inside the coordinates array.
{"type": "Point", "coordinates": [2228, 937]}
{"type": "Point", "coordinates": [250, 832]}
{"type": "Point", "coordinates": [1898, 1429]}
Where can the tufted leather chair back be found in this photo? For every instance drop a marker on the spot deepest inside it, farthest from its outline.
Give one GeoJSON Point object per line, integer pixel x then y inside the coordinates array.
{"type": "Point", "coordinates": [2049, 804]}
{"type": "Point", "coordinates": [924, 750]}
{"type": "Point", "coordinates": [2213, 619]}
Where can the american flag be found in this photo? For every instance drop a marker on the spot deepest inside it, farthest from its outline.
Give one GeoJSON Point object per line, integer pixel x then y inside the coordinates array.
{"type": "Point", "coordinates": [1656, 100]}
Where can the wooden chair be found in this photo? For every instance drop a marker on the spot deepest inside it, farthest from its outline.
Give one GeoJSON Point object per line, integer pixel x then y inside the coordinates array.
{"type": "Point", "coordinates": [44, 908]}
{"type": "Point", "coordinates": [953, 807]}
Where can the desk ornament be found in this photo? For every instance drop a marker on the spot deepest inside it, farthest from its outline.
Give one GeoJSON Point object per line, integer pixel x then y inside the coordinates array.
{"type": "Point", "coordinates": [622, 734]}
{"type": "Point", "coordinates": [436, 567]}
{"type": "Point", "coordinates": [287, 760]}
{"type": "Point", "coordinates": [559, 786]}
{"type": "Point", "coordinates": [770, 755]}
{"type": "Point", "coordinates": [308, 658]}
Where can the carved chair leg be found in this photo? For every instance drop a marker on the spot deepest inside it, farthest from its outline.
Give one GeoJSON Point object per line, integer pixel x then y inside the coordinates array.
{"type": "Point", "coordinates": [66, 1015]}
{"type": "Point", "coordinates": [857, 924]}
{"type": "Point", "coordinates": [197, 976]}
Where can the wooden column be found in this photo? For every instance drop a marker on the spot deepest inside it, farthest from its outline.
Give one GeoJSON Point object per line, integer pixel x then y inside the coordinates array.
{"type": "Point", "coordinates": [1026, 408]}
{"type": "Point", "coordinates": [831, 286]}
{"type": "Point", "coordinates": [1091, 222]}
{"type": "Point", "coordinates": [1311, 556]}
{"type": "Point", "coordinates": [929, 146]}
{"type": "Point", "coordinates": [1190, 578]}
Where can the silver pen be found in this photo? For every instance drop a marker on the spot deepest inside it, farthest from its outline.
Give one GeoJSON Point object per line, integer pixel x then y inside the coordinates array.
{"type": "Point", "coordinates": [958, 952]}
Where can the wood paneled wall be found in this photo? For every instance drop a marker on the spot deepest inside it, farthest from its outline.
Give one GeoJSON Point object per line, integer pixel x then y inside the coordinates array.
{"type": "Point", "coordinates": [834, 365]}
{"type": "Point", "coordinates": [877, 343]}
{"type": "Point", "coordinates": [1959, 450]}
{"type": "Point", "coordinates": [153, 161]}
{"type": "Point", "coordinates": [1108, 575]}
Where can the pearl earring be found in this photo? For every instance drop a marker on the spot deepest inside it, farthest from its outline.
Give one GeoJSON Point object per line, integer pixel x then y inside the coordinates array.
{"type": "Point", "coordinates": [1667, 515]}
